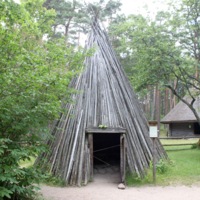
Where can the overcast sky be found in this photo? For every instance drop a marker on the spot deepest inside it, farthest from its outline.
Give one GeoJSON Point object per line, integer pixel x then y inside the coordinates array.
{"type": "Point", "coordinates": [138, 6]}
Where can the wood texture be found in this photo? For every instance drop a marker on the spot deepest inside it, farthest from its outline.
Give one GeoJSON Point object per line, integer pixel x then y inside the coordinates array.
{"type": "Point", "coordinates": [104, 97]}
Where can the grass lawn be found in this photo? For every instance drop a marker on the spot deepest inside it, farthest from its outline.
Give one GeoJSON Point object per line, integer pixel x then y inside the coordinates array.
{"type": "Point", "coordinates": [183, 167]}
{"type": "Point", "coordinates": [185, 162]}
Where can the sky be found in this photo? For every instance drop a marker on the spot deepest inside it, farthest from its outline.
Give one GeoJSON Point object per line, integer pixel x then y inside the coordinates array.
{"type": "Point", "coordinates": [138, 6]}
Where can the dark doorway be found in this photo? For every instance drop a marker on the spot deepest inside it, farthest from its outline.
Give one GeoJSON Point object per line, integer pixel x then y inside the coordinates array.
{"type": "Point", "coordinates": [106, 149]}
{"type": "Point", "coordinates": [106, 157]}
{"type": "Point", "coordinates": [107, 153]}
{"type": "Point", "coordinates": [196, 129]}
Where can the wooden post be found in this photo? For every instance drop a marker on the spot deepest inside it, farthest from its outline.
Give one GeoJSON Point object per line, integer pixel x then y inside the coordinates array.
{"type": "Point", "coordinates": [122, 158]}
{"type": "Point", "coordinates": [154, 162]}
{"type": "Point", "coordinates": [90, 138]}
{"type": "Point", "coordinates": [153, 133]}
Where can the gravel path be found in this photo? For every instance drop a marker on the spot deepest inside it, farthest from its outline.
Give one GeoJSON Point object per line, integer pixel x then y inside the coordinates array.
{"type": "Point", "coordinates": [105, 188]}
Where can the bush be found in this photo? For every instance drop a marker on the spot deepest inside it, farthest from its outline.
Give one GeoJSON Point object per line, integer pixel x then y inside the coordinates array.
{"type": "Point", "coordinates": [16, 182]}
{"type": "Point", "coordinates": [134, 179]}
{"type": "Point", "coordinates": [34, 76]}
{"type": "Point", "coordinates": [162, 166]}
{"type": "Point", "coordinates": [196, 146]}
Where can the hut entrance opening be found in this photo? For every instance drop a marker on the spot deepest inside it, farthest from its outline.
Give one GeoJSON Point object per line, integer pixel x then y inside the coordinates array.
{"type": "Point", "coordinates": [107, 152]}
{"type": "Point", "coordinates": [106, 149]}
{"type": "Point", "coordinates": [196, 129]}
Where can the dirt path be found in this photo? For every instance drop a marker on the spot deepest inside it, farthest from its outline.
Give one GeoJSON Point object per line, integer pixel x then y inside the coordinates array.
{"type": "Point", "coordinates": [110, 192]}
{"type": "Point", "coordinates": [105, 188]}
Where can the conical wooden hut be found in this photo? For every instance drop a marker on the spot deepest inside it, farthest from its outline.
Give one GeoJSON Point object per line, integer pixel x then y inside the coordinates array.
{"type": "Point", "coordinates": [105, 114]}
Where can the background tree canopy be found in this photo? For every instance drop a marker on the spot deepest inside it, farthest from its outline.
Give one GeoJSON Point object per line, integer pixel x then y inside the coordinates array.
{"type": "Point", "coordinates": [162, 52]}
{"type": "Point", "coordinates": [74, 16]}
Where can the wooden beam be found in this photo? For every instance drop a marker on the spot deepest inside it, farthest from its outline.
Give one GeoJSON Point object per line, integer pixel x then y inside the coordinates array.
{"type": "Point", "coordinates": [179, 138]}
{"type": "Point", "coordinates": [105, 130]}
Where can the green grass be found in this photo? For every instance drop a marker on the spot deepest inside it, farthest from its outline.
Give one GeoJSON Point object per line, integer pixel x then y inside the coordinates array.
{"type": "Point", "coordinates": [185, 168]}
{"type": "Point", "coordinates": [182, 168]}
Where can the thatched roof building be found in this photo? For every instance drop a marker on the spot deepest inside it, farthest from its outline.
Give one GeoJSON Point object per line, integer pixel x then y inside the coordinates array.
{"type": "Point", "coordinates": [181, 119]}
{"type": "Point", "coordinates": [104, 123]}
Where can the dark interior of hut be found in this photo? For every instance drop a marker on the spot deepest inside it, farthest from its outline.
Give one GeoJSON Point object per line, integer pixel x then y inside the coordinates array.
{"type": "Point", "coordinates": [196, 129]}
{"type": "Point", "coordinates": [106, 149]}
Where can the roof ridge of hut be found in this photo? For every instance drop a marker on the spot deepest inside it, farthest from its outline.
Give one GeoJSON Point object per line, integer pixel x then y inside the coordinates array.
{"type": "Point", "coordinates": [181, 112]}
{"type": "Point", "coordinates": [105, 98]}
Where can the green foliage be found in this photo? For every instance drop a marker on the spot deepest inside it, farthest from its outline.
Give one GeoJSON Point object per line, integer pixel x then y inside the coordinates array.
{"type": "Point", "coordinates": [74, 17]}
{"type": "Point", "coordinates": [102, 126]}
{"type": "Point", "coordinates": [16, 182]}
{"type": "Point", "coordinates": [27, 163]}
{"type": "Point", "coordinates": [146, 52]}
{"type": "Point", "coordinates": [162, 166]}
{"type": "Point", "coordinates": [196, 145]}
{"type": "Point", "coordinates": [53, 181]}
{"type": "Point", "coordinates": [135, 180]}
{"type": "Point", "coordinates": [161, 50]}
{"type": "Point", "coordinates": [35, 71]}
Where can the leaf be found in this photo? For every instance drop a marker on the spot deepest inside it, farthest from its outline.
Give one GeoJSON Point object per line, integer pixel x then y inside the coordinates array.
{"type": "Point", "coordinates": [5, 192]}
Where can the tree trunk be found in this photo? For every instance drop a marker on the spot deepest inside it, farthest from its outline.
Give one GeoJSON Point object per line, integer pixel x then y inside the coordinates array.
{"type": "Point", "coordinates": [67, 26]}
{"type": "Point", "coordinates": [148, 104]}
{"type": "Point", "coordinates": [172, 96]}
{"type": "Point", "coordinates": [153, 105]}
{"type": "Point", "coordinates": [157, 106]}
{"type": "Point", "coordinates": [166, 109]}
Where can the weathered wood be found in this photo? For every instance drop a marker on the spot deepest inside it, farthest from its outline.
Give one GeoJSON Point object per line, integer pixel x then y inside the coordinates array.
{"type": "Point", "coordinates": [122, 158]}
{"type": "Point", "coordinates": [181, 138]}
{"type": "Point", "coordinates": [104, 97]}
{"type": "Point", "coordinates": [90, 138]}
{"type": "Point", "coordinates": [105, 130]}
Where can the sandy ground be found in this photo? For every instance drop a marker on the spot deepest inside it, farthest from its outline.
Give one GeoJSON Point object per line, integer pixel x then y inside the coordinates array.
{"type": "Point", "coordinates": [104, 187]}
{"type": "Point", "coordinates": [110, 192]}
